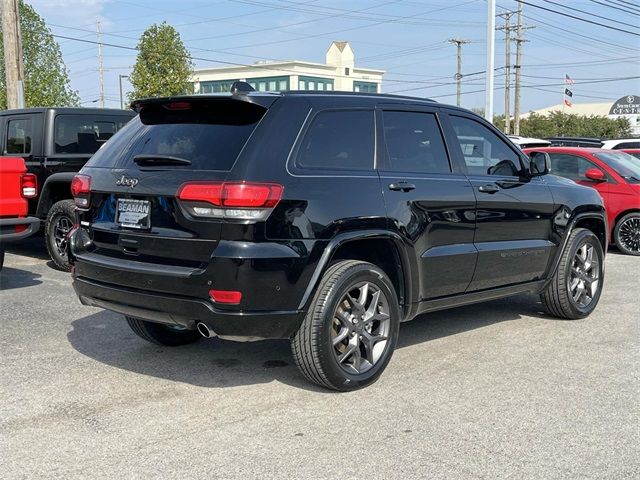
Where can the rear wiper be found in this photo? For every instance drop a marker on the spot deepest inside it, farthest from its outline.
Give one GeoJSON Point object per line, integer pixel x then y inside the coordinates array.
{"type": "Point", "coordinates": [159, 160]}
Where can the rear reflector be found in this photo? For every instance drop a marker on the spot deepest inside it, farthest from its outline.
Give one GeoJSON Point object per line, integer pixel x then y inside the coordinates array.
{"type": "Point", "coordinates": [29, 184]}
{"type": "Point", "coordinates": [80, 190]}
{"type": "Point", "coordinates": [225, 296]}
{"type": "Point", "coordinates": [239, 200]}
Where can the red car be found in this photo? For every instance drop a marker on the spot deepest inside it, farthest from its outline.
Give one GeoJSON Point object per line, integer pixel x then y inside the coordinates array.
{"type": "Point", "coordinates": [16, 186]}
{"type": "Point", "coordinates": [632, 151]}
{"type": "Point", "coordinates": [616, 175]}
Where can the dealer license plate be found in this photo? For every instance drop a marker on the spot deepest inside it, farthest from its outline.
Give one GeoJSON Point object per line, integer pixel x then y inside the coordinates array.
{"type": "Point", "coordinates": [133, 213]}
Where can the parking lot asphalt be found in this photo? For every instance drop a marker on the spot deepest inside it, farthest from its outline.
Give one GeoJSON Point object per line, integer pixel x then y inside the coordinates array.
{"type": "Point", "coordinates": [496, 390]}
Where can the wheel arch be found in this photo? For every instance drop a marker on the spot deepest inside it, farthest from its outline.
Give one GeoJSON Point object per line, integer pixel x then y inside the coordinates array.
{"type": "Point", "coordinates": [381, 248]}
{"type": "Point", "coordinates": [622, 214]}
{"type": "Point", "coordinates": [57, 187]}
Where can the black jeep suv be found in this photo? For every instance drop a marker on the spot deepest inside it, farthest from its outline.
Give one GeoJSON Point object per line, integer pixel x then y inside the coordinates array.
{"type": "Point", "coordinates": [327, 218]}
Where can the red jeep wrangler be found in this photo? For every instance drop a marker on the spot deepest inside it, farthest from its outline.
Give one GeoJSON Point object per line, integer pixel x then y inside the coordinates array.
{"type": "Point", "coordinates": [16, 186]}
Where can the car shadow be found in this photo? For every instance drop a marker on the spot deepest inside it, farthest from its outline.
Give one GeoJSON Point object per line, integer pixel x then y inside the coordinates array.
{"type": "Point", "coordinates": [215, 363]}
{"type": "Point", "coordinates": [33, 247]}
{"type": "Point", "coordinates": [15, 278]}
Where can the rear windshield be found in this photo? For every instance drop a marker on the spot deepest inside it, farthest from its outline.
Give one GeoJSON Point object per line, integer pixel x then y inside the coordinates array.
{"type": "Point", "coordinates": [624, 164]}
{"type": "Point", "coordinates": [208, 134]}
{"type": "Point", "coordinates": [85, 133]}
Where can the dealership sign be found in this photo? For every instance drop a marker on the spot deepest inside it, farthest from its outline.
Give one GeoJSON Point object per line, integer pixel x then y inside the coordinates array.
{"type": "Point", "coordinates": [628, 105]}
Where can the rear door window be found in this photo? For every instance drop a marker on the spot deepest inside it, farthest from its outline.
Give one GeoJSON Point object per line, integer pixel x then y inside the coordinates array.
{"type": "Point", "coordinates": [210, 135]}
{"type": "Point", "coordinates": [19, 136]}
{"type": "Point", "coordinates": [85, 133]}
{"type": "Point", "coordinates": [414, 143]}
{"type": "Point", "coordinates": [339, 140]}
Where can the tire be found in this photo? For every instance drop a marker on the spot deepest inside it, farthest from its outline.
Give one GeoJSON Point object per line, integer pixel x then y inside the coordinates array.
{"type": "Point", "coordinates": [60, 219]}
{"type": "Point", "coordinates": [363, 348]}
{"type": "Point", "coordinates": [161, 334]}
{"type": "Point", "coordinates": [1, 257]}
{"type": "Point", "coordinates": [626, 235]}
{"type": "Point", "coordinates": [572, 294]}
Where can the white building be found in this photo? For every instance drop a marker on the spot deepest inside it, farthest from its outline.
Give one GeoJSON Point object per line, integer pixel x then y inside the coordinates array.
{"type": "Point", "coordinates": [338, 73]}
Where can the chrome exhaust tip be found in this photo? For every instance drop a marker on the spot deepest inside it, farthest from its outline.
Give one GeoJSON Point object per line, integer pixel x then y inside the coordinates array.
{"type": "Point", "coordinates": [205, 331]}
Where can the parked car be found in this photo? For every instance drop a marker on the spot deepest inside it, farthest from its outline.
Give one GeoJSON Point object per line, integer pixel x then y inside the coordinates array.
{"type": "Point", "coordinates": [634, 152]}
{"type": "Point", "coordinates": [616, 176]}
{"type": "Point", "coordinates": [327, 218]}
{"type": "Point", "coordinates": [528, 142]}
{"type": "Point", "coordinates": [16, 188]}
{"type": "Point", "coordinates": [55, 143]}
{"type": "Point", "coordinates": [575, 142]}
{"type": "Point", "coordinates": [621, 143]}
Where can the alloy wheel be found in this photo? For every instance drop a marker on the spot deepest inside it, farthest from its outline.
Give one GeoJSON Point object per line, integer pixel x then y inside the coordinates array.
{"type": "Point", "coordinates": [360, 328]}
{"type": "Point", "coordinates": [61, 228]}
{"type": "Point", "coordinates": [629, 234]}
{"type": "Point", "coordinates": [584, 279]}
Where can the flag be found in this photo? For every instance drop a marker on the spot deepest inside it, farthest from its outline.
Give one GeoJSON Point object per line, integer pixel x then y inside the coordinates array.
{"type": "Point", "coordinates": [568, 103]}
{"type": "Point", "coordinates": [568, 92]}
{"type": "Point", "coordinates": [568, 80]}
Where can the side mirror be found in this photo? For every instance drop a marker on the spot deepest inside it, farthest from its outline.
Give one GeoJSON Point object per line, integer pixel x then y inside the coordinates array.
{"type": "Point", "coordinates": [539, 163]}
{"type": "Point", "coordinates": [595, 174]}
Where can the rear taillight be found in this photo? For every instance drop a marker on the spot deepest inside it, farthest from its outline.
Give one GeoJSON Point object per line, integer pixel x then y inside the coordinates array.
{"type": "Point", "coordinates": [232, 200]}
{"type": "Point", "coordinates": [29, 185]}
{"type": "Point", "coordinates": [81, 190]}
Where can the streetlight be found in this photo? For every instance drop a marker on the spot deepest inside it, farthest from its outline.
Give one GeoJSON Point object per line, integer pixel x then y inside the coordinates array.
{"type": "Point", "coordinates": [120, 77]}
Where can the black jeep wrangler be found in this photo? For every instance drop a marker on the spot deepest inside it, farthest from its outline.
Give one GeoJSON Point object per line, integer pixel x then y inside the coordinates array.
{"type": "Point", "coordinates": [327, 218]}
{"type": "Point", "coordinates": [55, 143]}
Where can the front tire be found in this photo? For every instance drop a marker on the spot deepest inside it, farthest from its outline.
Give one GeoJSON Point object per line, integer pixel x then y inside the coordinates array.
{"type": "Point", "coordinates": [626, 235]}
{"type": "Point", "coordinates": [160, 334]}
{"type": "Point", "coordinates": [59, 222]}
{"type": "Point", "coordinates": [576, 286]}
{"type": "Point", "coordinates": [350, 331]}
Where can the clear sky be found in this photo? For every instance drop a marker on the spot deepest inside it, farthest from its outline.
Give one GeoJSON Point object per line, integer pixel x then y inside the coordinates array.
{"type": "Point", "coordinates": [407, 38]}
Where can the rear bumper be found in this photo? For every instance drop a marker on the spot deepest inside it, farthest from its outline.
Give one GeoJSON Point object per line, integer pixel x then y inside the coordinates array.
{"type": "Point", "coordinates": [7, 228]}
{"type": "Point", "coordinates": [187, 312]}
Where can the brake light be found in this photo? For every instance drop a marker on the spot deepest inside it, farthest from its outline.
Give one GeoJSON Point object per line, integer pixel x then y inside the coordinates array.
{"type": "Point", "coordinates": [229, 297]}
{"type": "Point", "coordinates": [239, 200]}
{"type": "Point", "coordinates": [177, 106]}
{"type": "Point", "coordinates": [29, 185]}
{"type": "Point", "coordinates": [81, 190]}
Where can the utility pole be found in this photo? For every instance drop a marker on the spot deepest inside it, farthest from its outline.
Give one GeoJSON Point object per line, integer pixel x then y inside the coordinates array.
{"type": "Point", "coordinates": [13, 54]}
{"type": "Point", "coordinates": [458, 43]}
{"type": "Point", "coordinates": [100, 65]}
{"type": "Point", "coordinates": [518, 68]}
{"type": "Point", "coordinates": [491, 47]}
{"type": "Point", "coordinates": [507, 27]}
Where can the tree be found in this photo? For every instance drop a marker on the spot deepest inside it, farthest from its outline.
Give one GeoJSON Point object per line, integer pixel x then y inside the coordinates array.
{"type": "Point", "coordinates": [559, 124]}
{"type": "Point", "coordinates": [163, 66]}
{"type": "Point", "coordinates": [46, 79]}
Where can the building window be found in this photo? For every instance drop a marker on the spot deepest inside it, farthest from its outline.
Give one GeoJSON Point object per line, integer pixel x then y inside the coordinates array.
{"type": "Point", "coordinates": [346, 71]}
{"type": "Point", "coordinates": [219, 86]}
{"type": "Point", "coordinates": [269, 84]}
{"type": "Point", "coordinates": [365, 87]}
{"type": "Point", "coordinates": [315, 83]}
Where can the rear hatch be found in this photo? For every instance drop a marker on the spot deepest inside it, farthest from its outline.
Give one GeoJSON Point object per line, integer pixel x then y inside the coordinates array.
{"type": "Point", "coordinates": [134, 218]}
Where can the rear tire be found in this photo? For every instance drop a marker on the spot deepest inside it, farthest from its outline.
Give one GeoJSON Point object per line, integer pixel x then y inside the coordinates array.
{"type": "Point", "coordinates": [626, 235]}
{"type": "Point", "coordinates": [161, 334]}
{"type": "Point", "coordinates": [576, 286]}
{"type": "Point", "coordinates": [350, 331]}
{"type": "Point", "coordinates": [59, 222]}
{"type": "Point", "coordinates": [1, 256]}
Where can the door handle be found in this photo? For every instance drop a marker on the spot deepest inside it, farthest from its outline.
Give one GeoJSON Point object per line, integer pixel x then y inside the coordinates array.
{"type": "Point", "coordinates": [404, 186]}
{"type": "Point", "coordinates": [490, 188]}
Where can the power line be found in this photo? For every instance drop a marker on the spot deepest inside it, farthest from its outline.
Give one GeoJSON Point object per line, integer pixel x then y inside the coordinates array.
{"type": "Point", "coordinates": [579, 18]}
{"type": "Point", "coordinates": [591, 14]}
{"type": "Point", "coordinates": [622, 8]}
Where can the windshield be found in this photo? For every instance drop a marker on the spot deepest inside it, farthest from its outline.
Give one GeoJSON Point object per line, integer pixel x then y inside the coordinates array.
{"type": "Point", "coordinates": [624, 164]}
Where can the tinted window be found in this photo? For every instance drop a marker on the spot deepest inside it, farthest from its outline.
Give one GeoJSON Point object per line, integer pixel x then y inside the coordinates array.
{"type": "Point", "coordinates": [570, 166]}
{"type": "Point", "coordinates": [484, 152]}
{"type": "Point", "coordinates": [208, 134]}
{"type": "Point", "coordinates": [19, 135]}
{"type": "Point", "coordinates": [339, 140]}
{"type": "Point", "coordinates": [625, 165]}
{"type": "Point", "coordinates": [414, 143]}
{"type": "Point", "coordinates": [85, 133]}
{"type": "Point", "coordinates": [626, 145]}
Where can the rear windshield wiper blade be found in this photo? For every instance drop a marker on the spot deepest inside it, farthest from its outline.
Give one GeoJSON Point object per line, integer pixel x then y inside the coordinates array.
{"type": "Point", "coordinates": [160, 160]}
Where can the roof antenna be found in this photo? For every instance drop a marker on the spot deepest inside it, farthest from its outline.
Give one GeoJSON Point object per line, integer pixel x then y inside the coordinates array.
{"type": "Point", "coordinates": [239, 88]}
